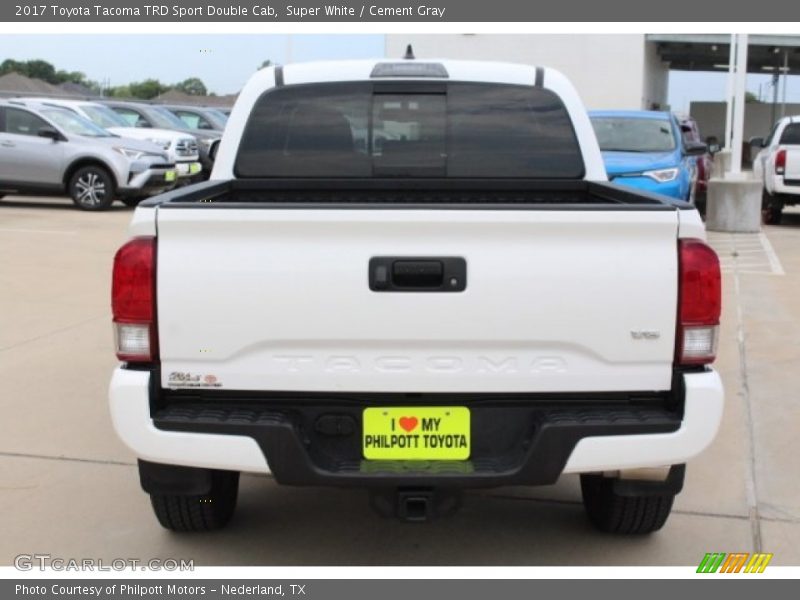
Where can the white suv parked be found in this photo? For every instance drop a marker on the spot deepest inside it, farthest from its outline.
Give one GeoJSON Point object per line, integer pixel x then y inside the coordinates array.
{"type": "Point", "coordinates": [49, 150]}
{"type": "Point", "coordinates": [181, 148]}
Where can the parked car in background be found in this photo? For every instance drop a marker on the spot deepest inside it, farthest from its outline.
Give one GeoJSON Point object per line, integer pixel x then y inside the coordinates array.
{"type": "Point", "coordinates": [777, 165]}
{"type": "Point", "coordinates": [50, 150]}
{"type": "Point", "coordinates": [645, 150]}
{"type": "Point", "coordinates": [138, 114]}
{"type": "Point", "coordinates": [705, 162]}
{"type": "Point", "coordinates": [180, 147]}
{"type": "Point", "coordinates": [199, 117]}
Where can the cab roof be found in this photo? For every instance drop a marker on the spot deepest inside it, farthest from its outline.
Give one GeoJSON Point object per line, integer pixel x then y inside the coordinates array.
{"type": "Point", "coordinates": [455, 70]}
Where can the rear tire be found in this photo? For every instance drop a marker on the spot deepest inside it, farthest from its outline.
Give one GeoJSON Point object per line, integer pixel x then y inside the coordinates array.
{"type": "Point", "coordinates": [199, 513]}
{"type": "Point", "coordinates": [771, 209]}
{"type": "Point", "coordinates": [91, 188]}
{"type": "Point", "coordinates": [612, 513]}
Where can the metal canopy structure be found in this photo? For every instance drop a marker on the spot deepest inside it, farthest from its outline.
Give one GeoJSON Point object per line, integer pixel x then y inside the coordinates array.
{"type": "Point", "coordinates": [768, 54]}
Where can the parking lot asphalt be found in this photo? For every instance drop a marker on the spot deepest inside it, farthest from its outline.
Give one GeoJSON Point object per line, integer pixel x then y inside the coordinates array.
{"type": "Point", "coordinates": [69, 488]}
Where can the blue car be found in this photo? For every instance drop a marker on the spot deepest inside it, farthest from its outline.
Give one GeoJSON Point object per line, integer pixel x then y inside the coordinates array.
{"type": "Point", "coordinates": [646, 150]}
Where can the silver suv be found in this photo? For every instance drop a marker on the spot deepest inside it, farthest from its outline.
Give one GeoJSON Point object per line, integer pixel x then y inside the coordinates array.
{"type": "Point", "coordinates": [50, 150]}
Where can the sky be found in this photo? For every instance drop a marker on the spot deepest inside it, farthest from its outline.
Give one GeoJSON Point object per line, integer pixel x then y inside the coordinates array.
{"type": "Point", "coordinates": [225, 62]}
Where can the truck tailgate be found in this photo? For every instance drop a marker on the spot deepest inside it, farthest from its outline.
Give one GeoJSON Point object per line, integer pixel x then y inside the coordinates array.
{"type": "Point", "coordinates": [279, 299]}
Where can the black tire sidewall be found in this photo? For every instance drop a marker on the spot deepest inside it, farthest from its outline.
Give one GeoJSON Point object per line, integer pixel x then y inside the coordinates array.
{"type": "Point", "coordinates": [101, 172]}
{"type": "Point", "coordinates": [610, 512]}
{"type": "Point", "coordinates": [199, 513]}
{"type": "Point", "coordinates": [771, 208]}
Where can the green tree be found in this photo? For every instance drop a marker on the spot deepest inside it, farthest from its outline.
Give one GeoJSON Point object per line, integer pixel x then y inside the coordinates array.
{"type": "Point", "coordinates": [119, 91]}
{"type": "Point", "coordinates": [38, 69]}
{"type": "Point", "coordinates": [750, 98]}
{"type": "Point", "coordinates": [147, 89]}
{"type": "Point", "coordinates": [41, 69]}
{"type": "Point", "coordinates": [193, 86]}
{"type": "Point", "coordinates": [10, 65]}
{"type": "Point", "coordinates": [72, 77]}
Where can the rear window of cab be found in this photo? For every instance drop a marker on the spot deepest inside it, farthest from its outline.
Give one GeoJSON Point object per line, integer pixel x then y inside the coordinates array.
{"type": "Point", "coordinates": [363, 130]}
{"type": "Point", "coordinates": [791, 135]}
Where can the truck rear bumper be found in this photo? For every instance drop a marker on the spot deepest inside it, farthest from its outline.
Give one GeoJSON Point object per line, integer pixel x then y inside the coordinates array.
{"type": "Point", "coordinates": [787, 187]}
{"type": "Point", "coordinates": [563, 439]}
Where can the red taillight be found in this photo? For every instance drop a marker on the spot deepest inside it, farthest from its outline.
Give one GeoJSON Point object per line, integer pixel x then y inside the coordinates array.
{"type": "Point", "coordinates": [701, 169]}
{"type": "Point", "coordinates": [780, 162]}
{"type": "Point", "coordinates": [133, 300]}
{"type": "Point", "coordinates": [700, 303]}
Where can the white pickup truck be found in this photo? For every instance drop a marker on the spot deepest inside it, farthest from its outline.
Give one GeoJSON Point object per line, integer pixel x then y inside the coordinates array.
{"type": "Point", "coordinates": [777, 165]}
{"type": "Point", "coordinates": [413, 277]}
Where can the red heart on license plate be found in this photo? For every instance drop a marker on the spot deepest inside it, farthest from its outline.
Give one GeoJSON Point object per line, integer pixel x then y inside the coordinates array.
{"type": "Point", "coordinates": [408, 423]}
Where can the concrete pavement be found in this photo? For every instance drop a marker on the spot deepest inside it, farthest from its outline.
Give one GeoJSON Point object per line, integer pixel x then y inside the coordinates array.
{"type": "Point", "coordinates": [69, 488]}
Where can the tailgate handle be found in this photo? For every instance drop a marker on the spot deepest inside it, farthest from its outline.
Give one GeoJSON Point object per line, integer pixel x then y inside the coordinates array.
{"type": "Point", "coordinates": [417, 274]}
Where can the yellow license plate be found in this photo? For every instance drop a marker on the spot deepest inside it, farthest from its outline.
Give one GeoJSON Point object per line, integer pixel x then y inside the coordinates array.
{"type": "Point", "coordinates": [416, 433]}
{"type": "Point", "coordinates": [170, 176]}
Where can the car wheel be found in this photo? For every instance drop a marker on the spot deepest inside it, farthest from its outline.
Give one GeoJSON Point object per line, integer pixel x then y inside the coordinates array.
{"type": "Point", "coordinates": [771, 209]}
{"type": "Point", "coordinates": [612, 513]}
{"type": "Point", "coordinates": [199, 513]}
{"type": "Point", "coordinates": [92, 188]}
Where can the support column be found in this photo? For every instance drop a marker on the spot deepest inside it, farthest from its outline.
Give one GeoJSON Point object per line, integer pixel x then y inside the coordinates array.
{"type": "Point", "coordinates": [734, 199]}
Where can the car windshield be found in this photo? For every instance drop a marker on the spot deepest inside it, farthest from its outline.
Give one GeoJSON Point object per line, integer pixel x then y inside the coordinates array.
{"type": "Point", "coordinates": [103, 116]}
{"type": "Point", "coordinates": [165, 119]}
{"type": "Point", "coordinates": [219, 115]}
{"type": "Point", "coordinates": [628, 134]}
{"type": "Point", "coordinates": [75, 124]}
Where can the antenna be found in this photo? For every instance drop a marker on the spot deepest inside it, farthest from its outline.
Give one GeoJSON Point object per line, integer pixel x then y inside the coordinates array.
{"type": "Point", "coordinates": [409, 53]}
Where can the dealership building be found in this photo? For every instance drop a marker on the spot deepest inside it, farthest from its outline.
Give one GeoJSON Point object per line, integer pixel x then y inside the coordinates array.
{"type": "Point", "coordinates": [609, 71]}
{"type": "Point", "coordinates": [620, 71]}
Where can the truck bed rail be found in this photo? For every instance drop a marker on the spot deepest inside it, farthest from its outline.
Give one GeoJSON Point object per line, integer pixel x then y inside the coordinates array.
{"type": "Point", "coordinates": [465, 194]}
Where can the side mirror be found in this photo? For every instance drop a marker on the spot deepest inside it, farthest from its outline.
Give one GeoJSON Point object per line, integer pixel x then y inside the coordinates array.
{"type": "Point", "coordinates": [695, 148]}
{"type": "Point", "coordinates": [758, 142]}
{"type": "Point", "coordinates": [50, 133]}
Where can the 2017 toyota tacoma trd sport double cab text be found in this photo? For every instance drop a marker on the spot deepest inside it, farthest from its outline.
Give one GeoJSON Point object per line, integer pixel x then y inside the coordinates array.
{"type": "Point", "coordinates": [413, 277]}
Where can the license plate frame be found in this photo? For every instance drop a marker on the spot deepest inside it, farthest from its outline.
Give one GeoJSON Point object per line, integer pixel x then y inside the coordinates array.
{"type": "Point", "coordinates": [416, 433]}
